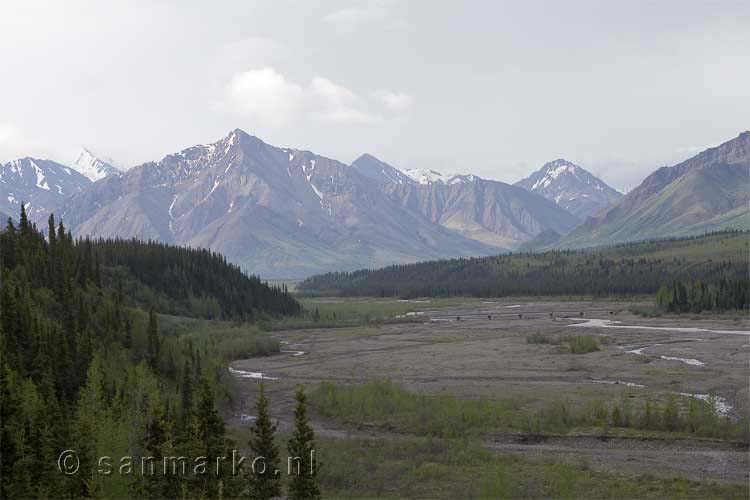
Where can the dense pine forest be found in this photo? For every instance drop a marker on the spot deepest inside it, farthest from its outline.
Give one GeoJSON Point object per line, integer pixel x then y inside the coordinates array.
{"type": "Point", "coordinates": [636, 268]}
{"type": "Point", "coordinates": [87, 365]}
{"type": "Point", "coordinates": [697, 296]}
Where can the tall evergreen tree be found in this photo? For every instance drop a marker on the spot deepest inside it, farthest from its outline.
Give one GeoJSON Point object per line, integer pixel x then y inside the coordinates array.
{"type": "Point", "coordinates": [155, 481]}
{"type": "Point", "coordinates": [207, 438]}
{"type": "Point", "coordinates": [304, 480]}
{"type": "Point", "coordinates": [186, 403]}
{"type": "Point", "coordinates": [264, 482]}
{"type": "Point", "coordinates": [153, 339]}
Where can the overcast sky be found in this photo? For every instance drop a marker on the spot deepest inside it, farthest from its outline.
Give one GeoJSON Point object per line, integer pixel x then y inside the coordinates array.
{"type": "Point", "coordinates": [491, 88]}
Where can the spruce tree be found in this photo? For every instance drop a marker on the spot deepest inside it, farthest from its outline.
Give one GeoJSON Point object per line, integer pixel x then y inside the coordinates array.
{"type": "Point", "coordinates": [187, 395]}
{"type": "Point", "coordinates": [153, 339]}
{"type": "Point", "coordinates": [23, 222]}
{"type": "Point", "coordinates": [265, 481]}
{"type": "Point", "coordinates": [154, 442]}
{"type": "Point", "coordinates": [304, 481]}
{"type": "Point", "coordinates": [207, 439]}
{"type": "Point", "coordinates": [127, 342]}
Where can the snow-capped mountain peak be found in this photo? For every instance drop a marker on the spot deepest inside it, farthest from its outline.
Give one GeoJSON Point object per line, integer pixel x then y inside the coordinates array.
{"type": "Point", "coordinates": [425, 176]}
{"type": "Point", "coordinates": [553, 170]}
{"type": "Point", "coordinates": [386, 174]}
{"type": "Point", "coordinates": [93, 167]}
{"type": "Point", "coordinates": [41, 185]}
{"type": "Point", "coordinates": [570, 186]}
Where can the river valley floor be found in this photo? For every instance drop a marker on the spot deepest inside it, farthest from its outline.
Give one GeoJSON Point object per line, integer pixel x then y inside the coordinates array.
{"type": "Point", "coordinates": [480, 349]}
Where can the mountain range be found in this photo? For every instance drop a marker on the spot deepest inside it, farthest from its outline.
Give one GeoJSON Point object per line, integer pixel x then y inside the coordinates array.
{"type": "Point", "coordinates": [289, 213]}
{"type": "Point", "coordinates": [708, 192]}
{"type": "Point", "coordinates": [280, 212]}
{"type": "Point", "coordinates": [42, 185]}
{"type": "Point", "coordinates": [492, 212]}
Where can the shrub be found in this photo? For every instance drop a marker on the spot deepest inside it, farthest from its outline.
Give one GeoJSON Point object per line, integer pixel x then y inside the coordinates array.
{"type": "Point", "coordinates": [582, 344]}
{"type": "Point", "coordinates": [541, 338]}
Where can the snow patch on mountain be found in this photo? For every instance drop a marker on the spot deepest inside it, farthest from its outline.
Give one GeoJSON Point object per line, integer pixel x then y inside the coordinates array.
{"type": "Point", "coordinates": [425, 176]}
{"type": "Point", "coordinates": [92, 166]}
{"type": "Point", "coordinates": [571, 187]}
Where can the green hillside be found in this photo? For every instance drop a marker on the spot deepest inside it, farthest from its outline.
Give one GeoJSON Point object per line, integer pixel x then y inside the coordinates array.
{"type": "Point", "coordinates": [624, 269]}
{"type": "Point", "coordinates": [708, 192]}
{"type": "Point", "coordinates": [88, 364]}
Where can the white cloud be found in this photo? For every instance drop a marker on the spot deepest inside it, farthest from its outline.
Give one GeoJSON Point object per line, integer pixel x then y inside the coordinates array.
{"type": "Point", "coordinates": [273, 99]}
{"type": "Point", "coordinates": [396, 101]}
{"type": "Point", "coordinates": [354, 16]}
{"type": "Point", "coordinates": [266, 94]}
{"type": "Point", "coordinates": [340, 103]}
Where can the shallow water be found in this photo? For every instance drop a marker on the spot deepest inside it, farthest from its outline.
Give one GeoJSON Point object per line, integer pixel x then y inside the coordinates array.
{"type": "Point", "coordinates": [246, 374]}
{"type": "Point", "coordinates": [638, 351]}
{"type": "Point", "coordinates": [608, 323]}
{"type": "Point", "coordinates": [721, 405]}
{"type": "Point", "coordinates": [687, 361]}
{"type": "Point", "coordinates": [409, 314]}
{"type": "Point", "coordinates": [293, 353]}
{"type": "Point", "coordinates": [618, 382]}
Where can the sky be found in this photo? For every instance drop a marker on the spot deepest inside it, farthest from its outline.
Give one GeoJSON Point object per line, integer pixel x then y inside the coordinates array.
{"type": "Point", "coordinates": [490, 88]}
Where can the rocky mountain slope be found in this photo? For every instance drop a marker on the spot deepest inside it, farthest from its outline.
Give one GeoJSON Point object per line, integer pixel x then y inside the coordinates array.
{"type": "Point", "coordinates": [705, 193]}
{"type": "Point", "coordinates": [93, 167]}
{"type": "Point", "coordinates": [571, 187]}
{"type": "Point", "coordinates": [276, 211]}
{"type": "Point", "coordinates": [42, 185]}
{"type": "Point", "coordinates": [491, 212]}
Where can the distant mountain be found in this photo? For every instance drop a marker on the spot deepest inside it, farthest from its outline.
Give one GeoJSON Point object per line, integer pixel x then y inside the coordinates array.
{"type": "Point", "coordinates": [491, 212]}
{"type": "Point", "coordinates": [380, 172]}
{"type": "Point", "coordinates": [276, 211]}
{"type": "Point", "coordinates": [42, 185]}
{"type": "Point", "coordinates": [708, 192]}
{"type": "Point", "coordinates": [571, 187]}
{"type": "Point", "coordinates": [89, 165]}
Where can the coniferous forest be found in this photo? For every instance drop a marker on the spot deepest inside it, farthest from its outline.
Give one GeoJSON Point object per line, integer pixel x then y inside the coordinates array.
{"type": "Point", "coordinates": [87, 366]}
{"type": "Point", "coordinates": [718, 261]}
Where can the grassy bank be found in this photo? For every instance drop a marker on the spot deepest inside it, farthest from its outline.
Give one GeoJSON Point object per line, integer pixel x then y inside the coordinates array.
{"type": "Point", "coordinates": [390, 407]}
{"type": "Point", "coordinates": [437, 468]}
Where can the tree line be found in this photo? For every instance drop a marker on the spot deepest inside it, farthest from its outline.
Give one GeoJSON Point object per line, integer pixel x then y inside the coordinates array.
{"type": "Point", "coordinates": [187, 280]}
{"type": "Point", "coordinates": [639, 268]}
{"type": "Point", "coordinates": [86, 365]}
{"type": "Point", "coordinates": [697, 296]}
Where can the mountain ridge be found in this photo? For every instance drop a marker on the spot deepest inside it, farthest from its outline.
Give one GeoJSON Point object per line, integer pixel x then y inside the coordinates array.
{"type": "Point", "coordinates": [708, 191]}
{"type": "Point", "coordinates": [572, 187]}
{"type": "Point", "coordinates": [91, 166]}
{"type": "Point", "coordinates": [42, 185]}
{"type": "Point", "coordinates": [282, 212]}
{"type": "Point", "coordinates": [492, 212]}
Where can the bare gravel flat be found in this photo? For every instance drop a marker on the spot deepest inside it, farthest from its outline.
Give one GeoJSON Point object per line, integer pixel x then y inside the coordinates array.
{"type": "Point", "coordinates": [476, 356]}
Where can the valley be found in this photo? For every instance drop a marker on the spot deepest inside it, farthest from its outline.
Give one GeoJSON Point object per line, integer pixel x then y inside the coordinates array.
{"type": "Point", "coordinates": [374, 250]}
{"type": "Point", "coordinates": [511, 355]}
